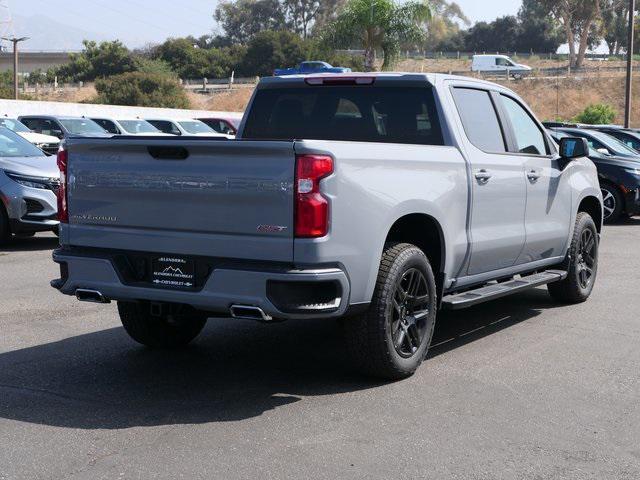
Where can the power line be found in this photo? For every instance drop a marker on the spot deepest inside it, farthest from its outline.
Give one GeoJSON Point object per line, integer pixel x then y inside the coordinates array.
{"type": "Point", "coordinates": [127, 14]}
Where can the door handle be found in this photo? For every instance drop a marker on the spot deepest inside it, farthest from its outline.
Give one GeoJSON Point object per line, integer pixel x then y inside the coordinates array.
{"type": "Point", "coordinates": [482, 176]}
{"type": "Point", "coordinates": [533, 175]}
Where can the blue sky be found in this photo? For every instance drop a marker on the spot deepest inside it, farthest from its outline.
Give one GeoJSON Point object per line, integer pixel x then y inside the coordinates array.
{"type": "Point", "coordinates": [60, 24]}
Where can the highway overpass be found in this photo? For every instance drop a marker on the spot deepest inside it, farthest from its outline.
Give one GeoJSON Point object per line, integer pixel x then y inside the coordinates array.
{"type": "Point", "coordinates": [32, 61]}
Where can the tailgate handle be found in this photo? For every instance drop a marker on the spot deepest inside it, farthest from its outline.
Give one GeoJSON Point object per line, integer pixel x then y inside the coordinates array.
{"type": "Point", "coordinates": [168, 153]}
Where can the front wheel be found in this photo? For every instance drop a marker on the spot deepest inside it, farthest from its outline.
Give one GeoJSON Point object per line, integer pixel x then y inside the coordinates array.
{"type": "Point", "coordinates": [391, 339]}
{"type": "Point", "coordinates": [612, 202]}
{"type": "Point", "coordinates": [581, 263]}
{"type": "Point", "coordinates": [169, 328]}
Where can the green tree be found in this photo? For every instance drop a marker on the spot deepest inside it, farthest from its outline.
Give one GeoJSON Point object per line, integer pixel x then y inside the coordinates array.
{"type": "Point", "coordinates": [379, 24]}
{"type": "Point", "coordinates": [300, 14]}
{"type": "Point", "coordinates": [242, 19]}
{"type": "Point", "coordinates": [614, 27]}
{"type": "Point", "coordinates": [189, 60]}
{"type": "Point", "coordinates": [185, 59]}
{"type": "Point", "coordinates": [269, 50]}
{"type": "Point", "coordinates": [597, 114]}
{"type": "Point", "coordinates": [539, 30]}
{"type": "Point", "coordinates": [443, 29]}
{"type": "Point", "coordinates": [97, 60]}
{"type": "Point", "coordinates": [581, 22]}
{"type": "Point", "coordinates": [501, 35]}
{"type": "Point", "coordinates": [142, 90]}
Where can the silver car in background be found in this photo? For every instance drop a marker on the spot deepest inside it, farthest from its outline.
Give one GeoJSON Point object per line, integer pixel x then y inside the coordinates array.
{"type": "Point", "coordinates": [29, 181]}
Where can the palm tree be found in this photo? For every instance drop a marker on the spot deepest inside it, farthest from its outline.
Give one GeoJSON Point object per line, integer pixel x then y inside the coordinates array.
{"type": "Point", "coordinates": [379, 24]}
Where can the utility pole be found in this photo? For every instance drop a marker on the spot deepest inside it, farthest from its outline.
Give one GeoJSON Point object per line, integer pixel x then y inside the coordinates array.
{"type": "Point", "coordinates": [627, 105]}
{"type": "Point", "coordinates": [15, 42]}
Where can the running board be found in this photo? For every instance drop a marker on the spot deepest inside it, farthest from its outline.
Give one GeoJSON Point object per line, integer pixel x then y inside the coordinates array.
{"type": "Point", "coordinates": [486, 293]}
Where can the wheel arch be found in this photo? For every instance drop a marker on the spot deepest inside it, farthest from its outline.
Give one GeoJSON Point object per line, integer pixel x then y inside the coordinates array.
{"type": "Point", "coordinates": [425, 232]}
{"type": "Point", "coordinates": [593, 206]}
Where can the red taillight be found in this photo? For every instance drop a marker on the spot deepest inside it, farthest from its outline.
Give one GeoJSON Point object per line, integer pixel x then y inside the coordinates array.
{"type": "Point", "coordinates": [63, 212]}
{"type": "Point", "coordinates": [312, 208]}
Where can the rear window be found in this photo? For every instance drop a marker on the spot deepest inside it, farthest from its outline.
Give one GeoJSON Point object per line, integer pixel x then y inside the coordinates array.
{"type": "Point", "coordinates": [363, 114]}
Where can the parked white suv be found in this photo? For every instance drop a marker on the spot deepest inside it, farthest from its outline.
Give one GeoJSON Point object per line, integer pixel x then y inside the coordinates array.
{"type": "Point", "coordinates": [47, 143]}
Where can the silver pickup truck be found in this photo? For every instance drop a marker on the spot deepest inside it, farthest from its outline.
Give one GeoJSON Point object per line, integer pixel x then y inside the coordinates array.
{"type": "Point", "coordinates": [379, 198]}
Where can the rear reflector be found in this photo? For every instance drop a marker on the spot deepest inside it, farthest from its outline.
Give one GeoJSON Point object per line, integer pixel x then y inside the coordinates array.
{"type": "Point", "coordinates": [339, 80]}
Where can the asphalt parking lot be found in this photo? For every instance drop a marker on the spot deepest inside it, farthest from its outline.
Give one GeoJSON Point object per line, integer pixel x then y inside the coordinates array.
{"type": "Point", "coordinates": [521, 388]}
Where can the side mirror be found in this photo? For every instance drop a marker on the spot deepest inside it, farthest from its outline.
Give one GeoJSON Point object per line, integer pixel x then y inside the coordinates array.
{"type": "Point", "coordinates": [573, 147]}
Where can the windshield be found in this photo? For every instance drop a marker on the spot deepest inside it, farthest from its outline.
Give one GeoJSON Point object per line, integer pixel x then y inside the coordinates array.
{"type": "Point", "coordinates": [13, 145]}
{"type": "Point", "coordinates": [196, 126]}
{"type": "Point", "coordinates": [81, 126]}
{"type": "Point", "coordinates": [138, 126]}
{"type": "Point", "coordinates": [13, 125]}
{"type": "Point", "coordinates": [613, 143]}
{"type": "Point", "coordinates": [557, 136]}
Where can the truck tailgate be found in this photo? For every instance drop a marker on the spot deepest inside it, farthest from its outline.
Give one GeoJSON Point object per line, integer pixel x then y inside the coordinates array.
{"type": "Point", "coordinates": [231, 199]}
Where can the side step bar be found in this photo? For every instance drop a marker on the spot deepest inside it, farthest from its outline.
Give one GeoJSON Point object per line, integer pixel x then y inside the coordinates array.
{"type": "Point", "coordinates": [486, 293]}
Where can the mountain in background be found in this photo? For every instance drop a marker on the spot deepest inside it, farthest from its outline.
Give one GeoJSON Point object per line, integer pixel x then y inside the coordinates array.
{"type": "Point", "coordinates": [47, 34]}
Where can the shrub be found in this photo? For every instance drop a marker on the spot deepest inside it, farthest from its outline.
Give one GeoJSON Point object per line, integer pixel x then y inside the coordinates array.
{"type": "Point", "coordinates": [596, 114]}
{"type": "Point", "coordinates": [142, 90]}
{"type": "Point", "coordinates": [95, 61]}
{"type": "Point", "coordinates": [269, 50]}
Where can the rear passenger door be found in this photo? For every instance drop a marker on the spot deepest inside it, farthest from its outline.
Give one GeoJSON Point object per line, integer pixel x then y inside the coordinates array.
{"type": "Point", "coordinates": [548, 212]}
{"type": "Point", "coordinates": [497, 183]}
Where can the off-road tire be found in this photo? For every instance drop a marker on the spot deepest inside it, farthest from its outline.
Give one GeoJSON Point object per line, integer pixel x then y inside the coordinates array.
{"type": "Point", "coordinates": [570, 289]}
{"type": "Point", "coordinates": [160, 331]}
{"type": "Point", "coordinates": [368, 335]}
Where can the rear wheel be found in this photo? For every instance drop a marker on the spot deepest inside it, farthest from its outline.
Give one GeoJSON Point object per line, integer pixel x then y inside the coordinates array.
{"type": "Point", "coordinates": [391, 339]}
{"type": "Point", "coordinates": [581, 263]}
{"type": "Point", "coordinates": [612, 202]}
{"type": "Point", "coordinates": [170, 327]}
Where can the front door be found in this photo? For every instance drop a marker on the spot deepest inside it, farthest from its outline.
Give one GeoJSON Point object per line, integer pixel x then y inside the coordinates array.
{"type": "Point", "coordinates": [498, 184]}
{"type": "Point", "coordinates": [548, 212]}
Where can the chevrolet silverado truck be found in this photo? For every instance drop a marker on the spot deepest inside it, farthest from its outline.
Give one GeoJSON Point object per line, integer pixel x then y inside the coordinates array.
{"type": "Point", "coordinates": [376, 198]}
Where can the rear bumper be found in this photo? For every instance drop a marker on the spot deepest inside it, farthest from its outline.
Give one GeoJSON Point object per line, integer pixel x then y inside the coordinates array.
{"type": "Point", "coordinates": [632, 201]}
{"type": "Point", "coordinates": [224, 287]}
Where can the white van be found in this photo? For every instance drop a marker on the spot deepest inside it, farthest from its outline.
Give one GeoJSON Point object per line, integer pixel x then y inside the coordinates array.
{"type": "Point", "coordinates": [498, 64]}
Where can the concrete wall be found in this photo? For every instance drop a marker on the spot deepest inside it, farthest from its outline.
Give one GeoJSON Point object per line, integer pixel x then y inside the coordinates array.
{"type": "Point", "coordinates": [15, 108]}
{"type": "Point", "coordinates": [31, 61]}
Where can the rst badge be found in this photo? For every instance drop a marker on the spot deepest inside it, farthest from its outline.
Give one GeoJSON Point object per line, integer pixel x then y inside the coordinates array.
{"type": "Point", "coordinates": [271, 228]}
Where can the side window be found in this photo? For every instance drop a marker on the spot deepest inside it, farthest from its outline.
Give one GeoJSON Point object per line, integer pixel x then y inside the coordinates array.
{"type": "Point", "coordinates": [33, 124]}
{"type": "Point", "coordinates": [528, 136]}
{"type": "Point", "coordinates": [628, 140]}
{"type": "Point", "coordinates": [165, 126]}
{"type": "Point", "coordinates": [108, 125]}
{"type": "Point", "coordinates": [479, 119]}
{"type": "Point", "coordinates": [595, 144]}
{"type": "Point", "coordinates": [501, 62]}
{"type": "Point", "coordinates": [49, 127]}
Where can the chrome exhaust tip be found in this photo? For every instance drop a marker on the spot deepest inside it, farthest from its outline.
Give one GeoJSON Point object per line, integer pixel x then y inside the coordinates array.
{"type": "Point", "coordinates": [249, 312]}
{"type": "Point", "coordinates": [92, 296]}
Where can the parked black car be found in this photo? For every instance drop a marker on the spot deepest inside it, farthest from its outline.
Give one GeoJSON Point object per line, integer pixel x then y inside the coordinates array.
{"type": "Point", "coordinates": [619, 181]}
{"type": "Point", "coordinates": [603, 142]}
{"type": "Point", "coordinates": [631, 138]}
